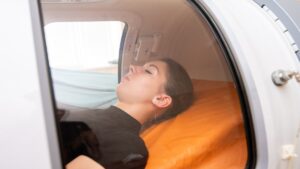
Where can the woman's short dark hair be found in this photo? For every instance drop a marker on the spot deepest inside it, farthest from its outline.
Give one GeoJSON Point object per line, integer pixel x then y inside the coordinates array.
{"type": "Point", "coordinates": [179, 87]}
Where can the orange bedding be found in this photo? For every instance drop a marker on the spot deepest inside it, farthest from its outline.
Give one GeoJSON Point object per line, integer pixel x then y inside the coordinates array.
{"type": "Point", "coordinates": [209, 135]}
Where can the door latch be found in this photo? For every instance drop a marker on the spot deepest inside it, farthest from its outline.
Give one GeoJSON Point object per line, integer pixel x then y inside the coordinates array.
{"type": "Point", "coordinates": [281, 77]}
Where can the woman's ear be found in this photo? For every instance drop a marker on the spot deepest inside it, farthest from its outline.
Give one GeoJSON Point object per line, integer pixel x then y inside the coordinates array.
{"type": "Point", "coordinates": [162, 101]}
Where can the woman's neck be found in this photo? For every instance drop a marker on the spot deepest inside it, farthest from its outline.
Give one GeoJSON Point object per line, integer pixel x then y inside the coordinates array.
{"type": "Point", "coordinates": [141, 113]}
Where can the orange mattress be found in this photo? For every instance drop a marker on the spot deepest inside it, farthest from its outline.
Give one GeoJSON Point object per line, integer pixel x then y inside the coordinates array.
{"type": "Point", "coordinates": [209, 135]}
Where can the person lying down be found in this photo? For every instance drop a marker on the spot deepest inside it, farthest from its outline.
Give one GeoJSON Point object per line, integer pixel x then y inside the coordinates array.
{"type": "Point", "coordinates": [148, 94]}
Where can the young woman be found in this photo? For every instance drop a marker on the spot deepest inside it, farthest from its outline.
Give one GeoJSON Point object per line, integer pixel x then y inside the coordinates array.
{"type": "Point", "coordinates": [147, 94]}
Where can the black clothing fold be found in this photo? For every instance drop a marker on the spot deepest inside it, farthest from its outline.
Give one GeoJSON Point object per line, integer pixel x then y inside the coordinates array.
{"type": "Point", "coordinates": [109, 136]}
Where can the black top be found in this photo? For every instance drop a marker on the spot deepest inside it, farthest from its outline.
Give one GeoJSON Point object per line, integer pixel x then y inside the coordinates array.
{"type": "Point", "coordinates": [109, 136]}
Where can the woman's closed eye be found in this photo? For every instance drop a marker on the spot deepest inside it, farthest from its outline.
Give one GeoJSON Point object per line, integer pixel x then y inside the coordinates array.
{"type": "Point", "coordinates": [148, 71]}
{"type": "Point", "coordinates": [151, 69]}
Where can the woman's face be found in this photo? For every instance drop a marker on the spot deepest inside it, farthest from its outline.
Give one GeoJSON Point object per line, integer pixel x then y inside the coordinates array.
{"type": "Point", "coordinates": [142, 83]}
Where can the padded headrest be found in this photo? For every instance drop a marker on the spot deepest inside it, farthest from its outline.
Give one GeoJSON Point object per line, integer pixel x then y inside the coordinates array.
{"type": "Point", "coordinates": [209, 135]}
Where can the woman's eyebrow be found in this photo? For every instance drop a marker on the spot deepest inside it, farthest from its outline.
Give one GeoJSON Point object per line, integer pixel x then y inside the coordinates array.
{"type": "Point", "coordinates": [156, 67]}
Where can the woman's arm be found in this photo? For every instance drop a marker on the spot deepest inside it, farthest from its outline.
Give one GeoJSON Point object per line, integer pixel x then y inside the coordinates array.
{"type": "Point", "coordinates": [83, 162]}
